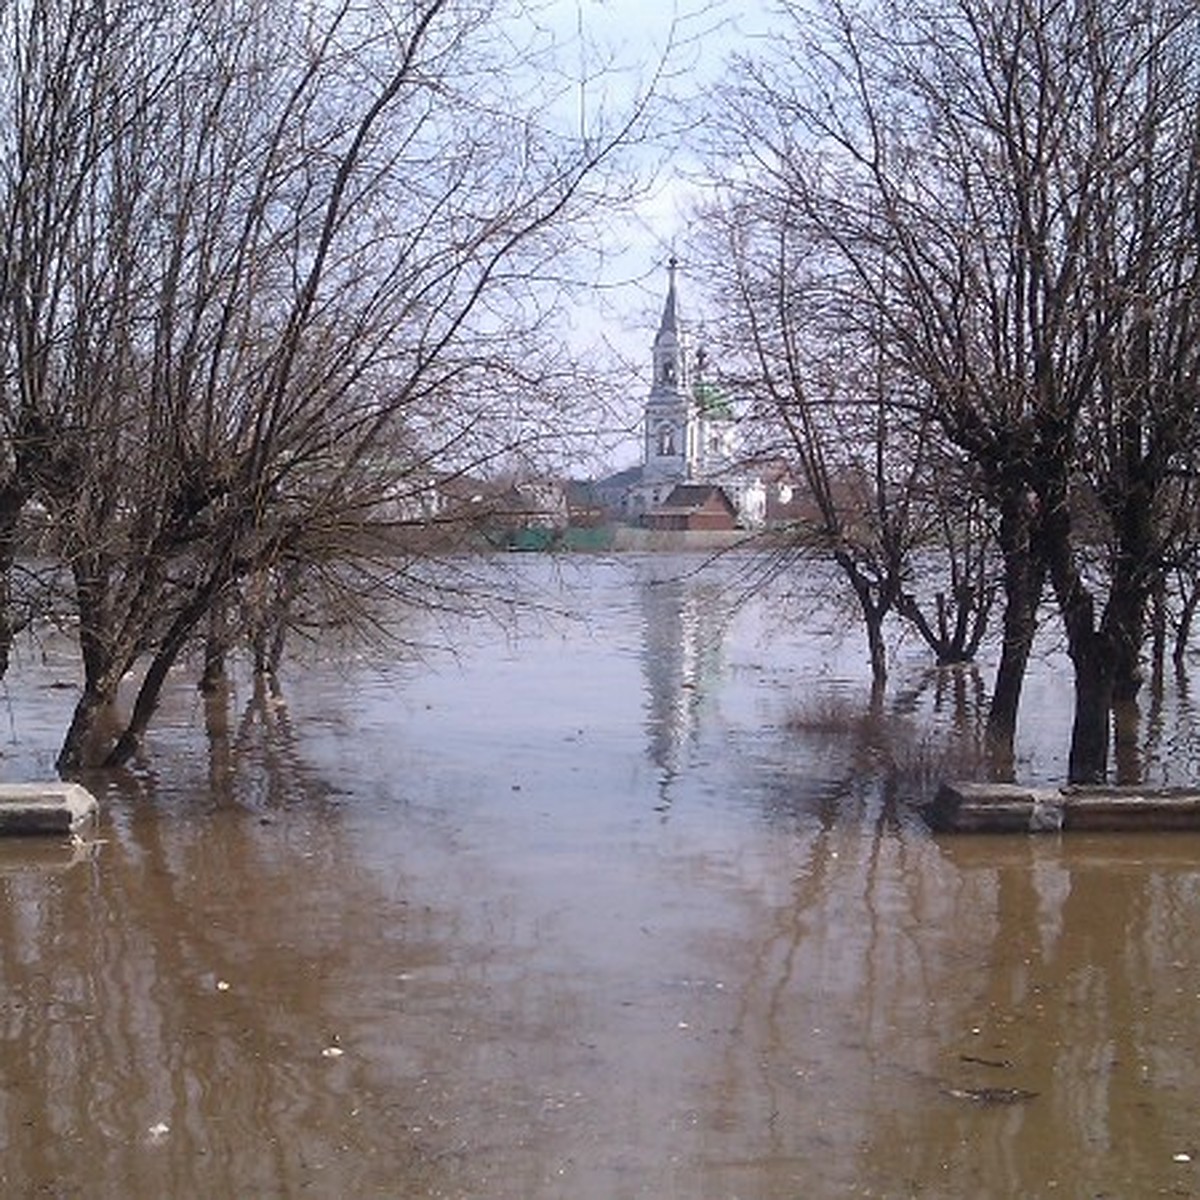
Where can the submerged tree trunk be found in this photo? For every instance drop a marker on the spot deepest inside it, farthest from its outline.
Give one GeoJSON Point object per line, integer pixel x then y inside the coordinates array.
{"type": "Point", "coordinates": [873, 619]}
{"type": "Point", "coordinates": [875, 601]}
{"type": "Point", "coordinates": [1158, 634]}
{"type": "Point", "coordinates": [167, 655]}
{"type": "Point", "coordinates": [1128, 756]}
{"type": "Point", "coordinates": [1095, 679]}
{"type": "Point", "coordinates": [12, 503]}
{"type": "Point", "coordinates": [1024, 579]}
{"type": "Point", "coordinates": [90, 725]}
{"type": "Point", "coordinates": [1090, 647]}
{"type": "Point", "coordinates": [102, 673]}
{"type": "Point", "coordinates": [1106, 651]}
{"type": "Point", "coordinates": [214, 677]}
{"type": "Point", "coordinates": [1189, 594]}
{"type": "Point", "coordinates": [1136, 572]}
{"type": "Point", "coordinates": [957, 626]}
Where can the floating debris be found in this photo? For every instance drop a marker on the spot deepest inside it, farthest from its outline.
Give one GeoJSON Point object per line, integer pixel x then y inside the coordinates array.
{"type": "Point", "coordinates": [990, 1095]}
{"type": "Point", "coordinates": [999, 1063]}
{"type": "Point", "coordinates": [332, 1052]}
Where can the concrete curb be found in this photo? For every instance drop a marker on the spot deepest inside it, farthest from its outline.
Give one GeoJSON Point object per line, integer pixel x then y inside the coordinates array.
{"type": "Point", "coordinates": [1009, 808]}
{"type": "Point", "coordinates": [45, 808]}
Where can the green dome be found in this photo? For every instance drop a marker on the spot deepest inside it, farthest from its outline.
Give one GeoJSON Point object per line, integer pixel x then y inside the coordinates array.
{"type": "Point", "coordinates": [712, 401]}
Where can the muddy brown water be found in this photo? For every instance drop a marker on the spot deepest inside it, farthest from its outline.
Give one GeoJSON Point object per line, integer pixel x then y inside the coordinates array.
{"type": "Point", "coordinates": [571, 911]}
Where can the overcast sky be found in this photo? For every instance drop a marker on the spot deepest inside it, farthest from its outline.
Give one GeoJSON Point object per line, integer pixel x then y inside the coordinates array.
{"type": "Point", "coordinates": [696, 38]}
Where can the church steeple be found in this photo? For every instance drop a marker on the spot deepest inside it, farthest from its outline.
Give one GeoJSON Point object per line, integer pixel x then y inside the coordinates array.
{"type": "Point", "coordinates": [689, 431]}
{"type": "Point", "coordinates": [670, 431]}
{"type": "Point", "coordinates": [669, 324]}
{"type": "Point", "coordinates": [670, 348]}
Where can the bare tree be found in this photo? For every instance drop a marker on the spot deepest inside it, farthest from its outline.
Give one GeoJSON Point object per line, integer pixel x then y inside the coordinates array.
{"type": "Point", "coordinates": [1027, 172]}
{"type": "Point", "coordinates": [890, 500]}
{"type": "Point", "coordinates": [272, 269]}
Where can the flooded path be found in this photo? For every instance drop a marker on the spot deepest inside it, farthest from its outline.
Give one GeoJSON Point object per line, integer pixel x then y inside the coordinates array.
{"type": "Point", "coordinates": [573, 911]}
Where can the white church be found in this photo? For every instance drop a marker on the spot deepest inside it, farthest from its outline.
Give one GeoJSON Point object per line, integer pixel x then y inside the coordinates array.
{"type": "Point", "coordinates": [690, 450]}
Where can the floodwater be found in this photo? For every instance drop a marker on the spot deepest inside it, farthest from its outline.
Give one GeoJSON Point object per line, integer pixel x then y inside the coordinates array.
{"type": "Point", "coordinates": [608, 901]}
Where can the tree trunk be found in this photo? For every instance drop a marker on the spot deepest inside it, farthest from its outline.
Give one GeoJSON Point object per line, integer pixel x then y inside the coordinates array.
{"type": "Point", "coordinates": [214, 677]}
{"type": "Point", "coordinates": [1094, 684]}
{"type": "Point", "coordinates": [1127, 747]}
{"type": "Point", "coordinates": [1024, 579]}
{"type": "Point", "coordinates": [101, 672]}
{"type": "Point", "coordinates": [1158, 634]}
{"type": "Point", "coordinates": [874, 613]}
{"type": "Point", "coordinates": [217, 725]}
{"type": "Point", "coordinates": [873, 618]}
{"type": "Point", "coordinates": [1093, 648]}
{"type": "Point", "coordinates": [156, 675]}
{"type": "Point", "coordinates": [1183, 626]}
{"type": "Point", "coordinates": [12, 501]}
{"type": "Point", "coordinates": [1133, 579]}
{"type": "Point", "coordinates": [91, 724]}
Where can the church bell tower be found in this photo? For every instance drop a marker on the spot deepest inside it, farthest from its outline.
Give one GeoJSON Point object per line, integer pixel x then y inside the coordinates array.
{"type": "Point", "coordinates": [669, 429]}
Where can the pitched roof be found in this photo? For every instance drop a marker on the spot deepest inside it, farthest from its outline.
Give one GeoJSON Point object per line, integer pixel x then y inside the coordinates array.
{"type": "Point", "coordinates": [690, 496]}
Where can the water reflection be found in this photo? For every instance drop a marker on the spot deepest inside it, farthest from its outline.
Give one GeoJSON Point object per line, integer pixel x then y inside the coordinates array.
{"type": "Point", "coordinates": [453, 875]}
{"type": "Point", "coordinates": [167, 1002]}
{"type": "Point", "coordinates": [685, 617]}
{"type": "Point", "coordinates": [1085, 993]}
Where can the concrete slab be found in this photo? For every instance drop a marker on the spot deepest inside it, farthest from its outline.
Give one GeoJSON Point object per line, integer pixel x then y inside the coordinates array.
{"type": "Point", "coordinates": [45, 808]}
{"type": "Point", "coordinates": [1009, 808]}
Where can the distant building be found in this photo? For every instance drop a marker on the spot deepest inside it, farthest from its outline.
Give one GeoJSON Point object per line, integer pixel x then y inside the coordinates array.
{"type": "Point", "coordinates": [689, 438]}
{"type": "Point", "coordinates": [694, 506]}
